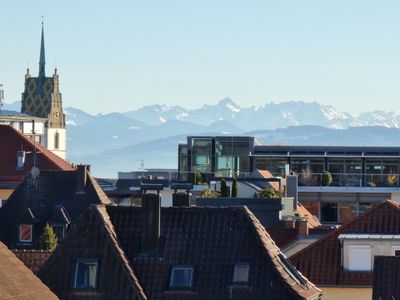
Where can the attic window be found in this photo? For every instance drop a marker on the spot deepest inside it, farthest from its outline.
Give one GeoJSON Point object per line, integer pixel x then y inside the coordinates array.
{"type": "Point", "coordinates": [241, 273]}
{"type": "Point", "coordinates": [86, 273]}
{"type": "Point", "coordinates": [181, 277]}
{"type": "Point", "coordinates": [25, 233]}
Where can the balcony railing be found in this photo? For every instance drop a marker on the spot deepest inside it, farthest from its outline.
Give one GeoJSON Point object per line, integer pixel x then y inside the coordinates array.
{"type": "Point", "coordinates": [349, 180]}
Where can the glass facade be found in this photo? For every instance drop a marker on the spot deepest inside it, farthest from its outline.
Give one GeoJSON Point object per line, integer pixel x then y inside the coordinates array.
{"type": "Point", "coordinates": [276, 166]}
{"type": "Point", "coordinates": [345, 172]}
{"type": "Point", "coordinates": [216, 156]}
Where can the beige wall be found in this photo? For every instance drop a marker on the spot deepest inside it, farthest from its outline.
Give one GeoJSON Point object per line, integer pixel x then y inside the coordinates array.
{"type": "Point", "coordinates": [383, 247]}
{"type": "Point", "coordinates": [340, 293]}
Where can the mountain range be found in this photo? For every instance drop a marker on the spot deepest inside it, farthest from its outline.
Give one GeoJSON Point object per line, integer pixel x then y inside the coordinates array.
{"type": "Point", "coordinates": [116, 141]}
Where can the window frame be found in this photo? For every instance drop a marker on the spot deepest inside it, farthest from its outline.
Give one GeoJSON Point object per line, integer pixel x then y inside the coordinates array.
{"type": "Point", "coordinates": [19, 233]}
{"type": "Point", "coordinates": [96, 277]}
{"type": "Point", "coordinates": [235, 270]}
{"type": "Point", "coordinates": [171, 277]}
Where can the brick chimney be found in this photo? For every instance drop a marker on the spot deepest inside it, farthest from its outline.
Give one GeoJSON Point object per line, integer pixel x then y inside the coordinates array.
{"type": "Point", "coordinates": [151, 219]}
{"type": "Point", "coordinates": [81, 178]}
{"type": "Point", "coordinates": [302, 226]}
{"type": "Point", "coordinates": [181, 198]}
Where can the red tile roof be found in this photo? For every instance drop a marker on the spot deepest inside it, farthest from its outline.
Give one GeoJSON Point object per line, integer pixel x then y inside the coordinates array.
{"type": "Point", "coordinates": [321, 261]}
{"type": "Point", "coordinates": [33, 259]}
{"type": "Point", "coordinates": [17, 281]}
{"type": "Point", "coordinates": [13, 141]}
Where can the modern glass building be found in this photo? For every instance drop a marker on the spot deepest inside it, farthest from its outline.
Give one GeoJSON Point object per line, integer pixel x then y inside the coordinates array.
{"type": "Point", "coordinates": [216, 156]}
{"type": "Point", "coordinates": [361, 176]}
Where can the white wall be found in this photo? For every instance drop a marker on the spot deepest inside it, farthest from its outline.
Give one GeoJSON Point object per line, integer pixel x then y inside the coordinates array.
{"type": "Point", "coordinates": [62, 149]}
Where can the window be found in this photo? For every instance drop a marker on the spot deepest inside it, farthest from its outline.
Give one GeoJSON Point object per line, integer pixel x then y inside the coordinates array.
{"type": "Point", "coordinates": [329, 212]}
{"type": "Point", "coordinates": [25, 233]}
{"type": "Point", "coordinates": [60, 231]}
{"type": "Point", "coordinates": [56, 140]}
{"type": "Point", "coordinates": [86, 271]}
{"type": "Point", "coordinates": [360, 258]}
{"type": "Point", "coordinates": [181, 277]}
{"type": "Point", "coordinates": [396, 250]}
{"type": "Point", "coordinates": [241, 273]}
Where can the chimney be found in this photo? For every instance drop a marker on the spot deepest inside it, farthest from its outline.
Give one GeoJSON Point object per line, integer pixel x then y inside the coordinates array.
{"type": "Point", "coordinates": [81, 178]}
{"type": "Point", "coordinates": [302, 226]}
{"type": "Point", "coordinates": [289, 224]}
{"type": "Point", "coordinates": [292, 189]}
{"type": "Point", "coordinates": [151, 219]}
{"type": "Point", "coordinates": [181, 198]}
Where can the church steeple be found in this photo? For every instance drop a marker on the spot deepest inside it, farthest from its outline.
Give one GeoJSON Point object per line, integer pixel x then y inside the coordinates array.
{"type": "Point", "coordinates": [42, 60]}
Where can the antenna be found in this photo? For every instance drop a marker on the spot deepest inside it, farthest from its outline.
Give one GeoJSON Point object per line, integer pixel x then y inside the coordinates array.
{"type": "Point", "coordinates": [1, 96]}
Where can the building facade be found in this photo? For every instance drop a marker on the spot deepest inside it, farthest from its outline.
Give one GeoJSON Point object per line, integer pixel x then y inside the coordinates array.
{"type": "Point", "coordinates": [360, 176]}
{"type": "Point", "coordinates": [42, 98]}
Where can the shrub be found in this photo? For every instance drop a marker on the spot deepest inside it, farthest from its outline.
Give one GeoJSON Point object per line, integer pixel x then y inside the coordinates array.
{"type": "Point", "coordinates": [224, 189]}
{"type": "Point", "coordinates": [268, 193]}
{"type": "Point", "coordinates": [208, 193]}
{"type": "Point", "coordinates": [326, 178]}
{"type": "Point", "coordinates": [234, 188]}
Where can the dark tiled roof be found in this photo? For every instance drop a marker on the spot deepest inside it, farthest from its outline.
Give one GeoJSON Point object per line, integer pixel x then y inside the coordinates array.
{"type": "Point", "coordinates": [386, 278]}
{"type": "Point", "coordinates": [17, 281]}
{"type": "Point", "coordinates": [27, 217]}
{"type": "Point", "coordinates": [213, 240]}
{"type": "Point", "coordinates": [60, 216]}
{"type": "Point", "coordinates": [46, 160]}
{"type": "Point", "coordinates": [33, 259]}
{"type": "Point", "coordinates": [43, 196]}
{"type": "Point", "coordinates": [321, 261]}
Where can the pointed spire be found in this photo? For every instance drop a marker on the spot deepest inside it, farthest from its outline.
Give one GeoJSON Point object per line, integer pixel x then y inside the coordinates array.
{"type": "Point", "coordinates": [42, 61]}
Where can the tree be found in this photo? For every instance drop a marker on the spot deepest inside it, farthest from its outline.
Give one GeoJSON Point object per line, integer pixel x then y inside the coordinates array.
{"type": "Point", "coordinates": [234, 188]}
{"type": "Point", "coordinates": [48, 239]}
{"type": "Point", "coordinates": [224, 189]}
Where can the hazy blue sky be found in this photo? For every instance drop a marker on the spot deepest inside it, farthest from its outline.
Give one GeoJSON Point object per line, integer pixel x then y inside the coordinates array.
{"type": "Point", "coordinates": [121, 55]}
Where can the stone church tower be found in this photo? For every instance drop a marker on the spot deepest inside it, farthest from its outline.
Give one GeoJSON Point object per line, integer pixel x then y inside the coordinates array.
{"type": "Point", "coordinates": [42, 98]}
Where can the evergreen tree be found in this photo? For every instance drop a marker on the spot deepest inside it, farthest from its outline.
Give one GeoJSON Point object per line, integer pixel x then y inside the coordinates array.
{"type": "Point", "coordinates": [224, 189]}
{"type": "Point", "coordinates": [48, 239]}
{"type": "Point", "coordinates": [234, 188]}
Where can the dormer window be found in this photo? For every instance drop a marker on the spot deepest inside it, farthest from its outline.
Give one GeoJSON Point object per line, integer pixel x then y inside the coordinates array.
{"type": "Point", "coordinates": [25, 233]}
{"type": "Point", "coordinates": [181, 277]}
{"type": "Point", "coordinates": [86, 273]}
{"type": "Point", "coordinates": [241, 273]}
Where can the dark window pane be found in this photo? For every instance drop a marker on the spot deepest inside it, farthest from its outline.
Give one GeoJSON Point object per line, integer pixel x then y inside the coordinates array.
{"type": "Point", "coordinates": [181, 277]}
{"type": "Point", "coordinates": [329, 212]}
{"type": "Point", "coordinates": [241, 273]}
{"type": "Point", "coordinates": [85, 274]}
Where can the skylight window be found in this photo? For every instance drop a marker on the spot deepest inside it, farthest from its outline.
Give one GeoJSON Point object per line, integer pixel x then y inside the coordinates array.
{"type": "Point", "coordinates": [25, 233]}
{"type": "Point", "coordinates": [181, 277]}
{"type": "Point", "coordinates": [241, 273]}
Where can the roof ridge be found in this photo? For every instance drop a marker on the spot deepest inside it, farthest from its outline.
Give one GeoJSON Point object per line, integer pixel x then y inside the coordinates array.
{"type": "Point", "coordinates": [275, 260]}
{"type": "Point", "coordinates": [392, 203]}
{"type": "Point", "coordinates": [110, 232]}
{"type": "Point", "coordinates": [100, 193]}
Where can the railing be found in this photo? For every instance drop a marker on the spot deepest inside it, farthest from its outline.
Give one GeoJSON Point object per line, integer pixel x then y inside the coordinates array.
{"type": "Point", "coordinates": [349, 180]}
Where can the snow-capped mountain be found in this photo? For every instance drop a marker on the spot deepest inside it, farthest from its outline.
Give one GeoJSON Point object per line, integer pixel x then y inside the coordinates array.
{"type": "Point", "coordinates": [268, 116]}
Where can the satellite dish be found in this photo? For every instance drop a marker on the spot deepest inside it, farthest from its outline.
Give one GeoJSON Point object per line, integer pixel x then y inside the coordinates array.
{"type": "Point", "coordinates": [35, 172]}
